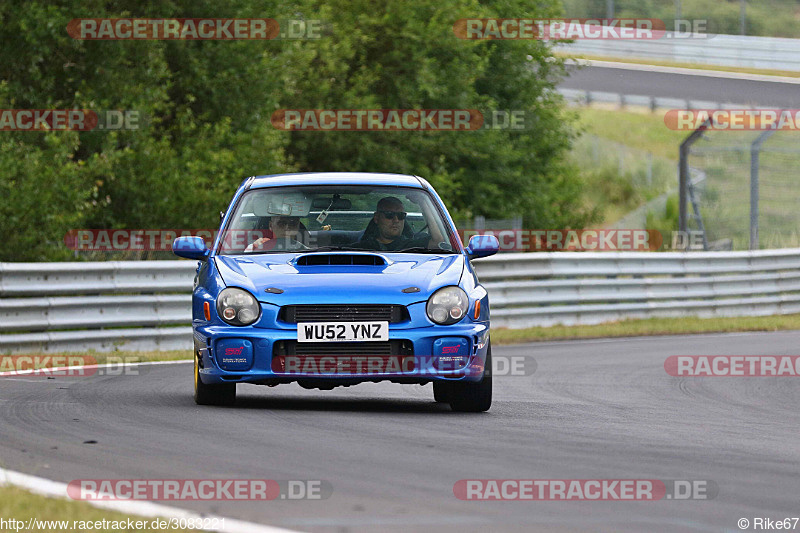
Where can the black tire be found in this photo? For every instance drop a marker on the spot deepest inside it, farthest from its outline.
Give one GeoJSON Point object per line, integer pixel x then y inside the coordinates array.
{"type": "Point", "coordinates": [222, 394]}
{"type": "Point", "coordinates": [467, 397]}
{"type": "Point", "coordinates": [441, 391]}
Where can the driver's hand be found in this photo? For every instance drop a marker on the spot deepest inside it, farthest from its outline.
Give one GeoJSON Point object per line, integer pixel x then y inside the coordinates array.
{"type": "Point", "coordinates": [256, 244]}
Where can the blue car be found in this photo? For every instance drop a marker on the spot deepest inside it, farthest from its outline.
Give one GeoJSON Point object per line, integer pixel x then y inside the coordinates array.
{"type": "Point", "coordinates": [335, 279]}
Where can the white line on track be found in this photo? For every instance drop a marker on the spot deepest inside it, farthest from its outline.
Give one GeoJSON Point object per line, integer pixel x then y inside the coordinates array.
{"type": "Point", "coordinates": [48, 370]}
{"type": "Point", "coordinates": [55, 489]}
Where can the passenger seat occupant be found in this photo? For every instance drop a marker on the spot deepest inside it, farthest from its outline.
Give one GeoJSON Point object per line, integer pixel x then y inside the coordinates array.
{"type": "Point", "coordinates": [286, 235]}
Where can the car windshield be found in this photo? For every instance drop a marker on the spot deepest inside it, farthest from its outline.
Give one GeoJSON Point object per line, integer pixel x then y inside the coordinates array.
{"type": "Point", "coordinates": [347, 217]}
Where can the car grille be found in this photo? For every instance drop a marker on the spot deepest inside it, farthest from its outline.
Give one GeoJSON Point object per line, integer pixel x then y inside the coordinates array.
{"type": "Point", "coordinates": [344, 313]}
{"type": "Point", "coordinates": [312, 357]}
{"type": "Point", "coordinates": [391, 347]}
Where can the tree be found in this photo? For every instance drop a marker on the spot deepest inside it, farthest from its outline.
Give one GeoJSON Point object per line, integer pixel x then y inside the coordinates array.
{"type": "Point", "coordinates": [205, 106]}
{"type": "Point", "coordinates": [401, 55]}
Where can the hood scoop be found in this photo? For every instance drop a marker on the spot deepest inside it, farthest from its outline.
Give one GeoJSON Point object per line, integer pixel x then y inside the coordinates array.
{"type": "Point", "coordinates": [340, 259]}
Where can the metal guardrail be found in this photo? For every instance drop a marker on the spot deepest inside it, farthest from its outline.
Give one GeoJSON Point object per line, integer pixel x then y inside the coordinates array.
{"type": "Point", "coordinates": [770, 53]}
{"type": "Point", "coordinates": [145, 305]}
{"type": "Point", "coordinates": [64, 307]}
{"type": "Point", "coordinates": [31, 279]}
{"type": "Point", "coordinates": [584, 97]}
{"type": "Point", "coordinates": [545, 289]}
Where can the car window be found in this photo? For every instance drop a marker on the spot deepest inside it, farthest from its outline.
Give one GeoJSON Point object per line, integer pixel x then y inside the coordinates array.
{"type": "Point", "coordinates": [307, 218]}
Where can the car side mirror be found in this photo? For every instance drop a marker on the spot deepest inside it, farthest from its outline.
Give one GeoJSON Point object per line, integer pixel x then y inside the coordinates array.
{"type": "Point", "coordinates": [482, 246]}
{"type": "Point", "coordinates": [190, 248]}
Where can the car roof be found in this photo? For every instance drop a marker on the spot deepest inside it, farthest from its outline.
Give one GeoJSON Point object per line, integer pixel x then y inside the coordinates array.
{"type": "Point", "coordinates": [335, 178]}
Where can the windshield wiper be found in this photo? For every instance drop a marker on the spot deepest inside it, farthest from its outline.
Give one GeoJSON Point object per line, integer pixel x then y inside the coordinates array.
{"type": "Point", "coordinates": [336, 249]}
{"type": "Point", "coordinates": [256, 252]}
{"type": "Point", "coordinates": [422, 250]}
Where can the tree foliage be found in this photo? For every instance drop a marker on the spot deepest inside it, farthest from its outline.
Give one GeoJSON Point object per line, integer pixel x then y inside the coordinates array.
{"type": "Point", "coordinates": [205, 109]}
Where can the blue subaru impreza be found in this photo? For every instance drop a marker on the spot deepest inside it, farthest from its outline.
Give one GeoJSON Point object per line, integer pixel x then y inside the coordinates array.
{"type": "Point", "coordinates": [334, 279]}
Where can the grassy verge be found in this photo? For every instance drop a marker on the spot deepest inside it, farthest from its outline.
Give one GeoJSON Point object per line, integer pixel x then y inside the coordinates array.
{"type": "Point", "coordinates": [641, 131]}
{"type": "Point", "coordinates": [100, 358]}
{"type": "Point", "coordinates": [133, 357]}
{"type": "Point", "coordinates": [650, 326]}
{"type": "Point", "coordinates": [627, 158]}
{"type": "Point", "coordinates": [695, 66]}
{"type": "Point", "coordinates": [19, 504]}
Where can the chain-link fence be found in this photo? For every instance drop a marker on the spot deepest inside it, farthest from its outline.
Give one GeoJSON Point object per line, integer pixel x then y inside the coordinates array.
{"type": "Point", "coordinates": [626, 182]}
{"type": "Point", "coordinates": [743, 190]}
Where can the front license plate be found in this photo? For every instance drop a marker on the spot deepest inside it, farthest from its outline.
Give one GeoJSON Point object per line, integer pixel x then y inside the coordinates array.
{"type": "Point", "coordinates": [342, 331]}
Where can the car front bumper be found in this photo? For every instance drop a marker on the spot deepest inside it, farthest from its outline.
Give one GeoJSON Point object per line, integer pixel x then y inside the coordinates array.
{"type": "Point", "coordinates": [231, 354]}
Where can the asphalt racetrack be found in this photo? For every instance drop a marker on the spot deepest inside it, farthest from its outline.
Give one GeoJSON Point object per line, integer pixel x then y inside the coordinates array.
{"type": "Point", "coordinates": [721, 87]}
{"type": "Point", "coordinates": [595, 409]}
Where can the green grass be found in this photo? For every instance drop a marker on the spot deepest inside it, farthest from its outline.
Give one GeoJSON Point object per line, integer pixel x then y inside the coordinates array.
{"type": "Point", "coordinates": [22, 505]}
{"type": "Point", "coordinates": [641, 131]}
{"type": "Point", "coordinates": [133, 357]}
{"type": "Point", "coordinates": [650, 326]}
{"type": "Point", "coordinates": [725, 194]}
{"type": "Point", "coordinates": [612, 155]}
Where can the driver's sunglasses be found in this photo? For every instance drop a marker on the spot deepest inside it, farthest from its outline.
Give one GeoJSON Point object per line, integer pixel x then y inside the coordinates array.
{"type": "Point", "coordinates": [388, 215]}
{"type": "Point", "coordinates": [288, 222]}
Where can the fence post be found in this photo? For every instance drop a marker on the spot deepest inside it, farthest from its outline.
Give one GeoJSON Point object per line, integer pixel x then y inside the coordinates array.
{"type": "Point", "coordinates": [683, 172]}
{"type": "Point", "coordinates": [755, 151]}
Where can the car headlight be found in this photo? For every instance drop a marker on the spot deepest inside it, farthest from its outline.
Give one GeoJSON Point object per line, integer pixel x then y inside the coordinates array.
{"type": "Point", "coordinates": [448, 305]}
{"type": "Point", "coordinates": [237, 307]}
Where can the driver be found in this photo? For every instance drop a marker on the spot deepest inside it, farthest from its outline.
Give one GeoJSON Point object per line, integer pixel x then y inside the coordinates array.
{"type": "Point", "coordinates": [385, 231]}
{"type": "Point", "coordinates": [285, 233]}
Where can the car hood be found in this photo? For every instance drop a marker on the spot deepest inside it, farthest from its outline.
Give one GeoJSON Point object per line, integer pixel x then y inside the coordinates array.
{"type": "Point", "coordinates": [324, 284]}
